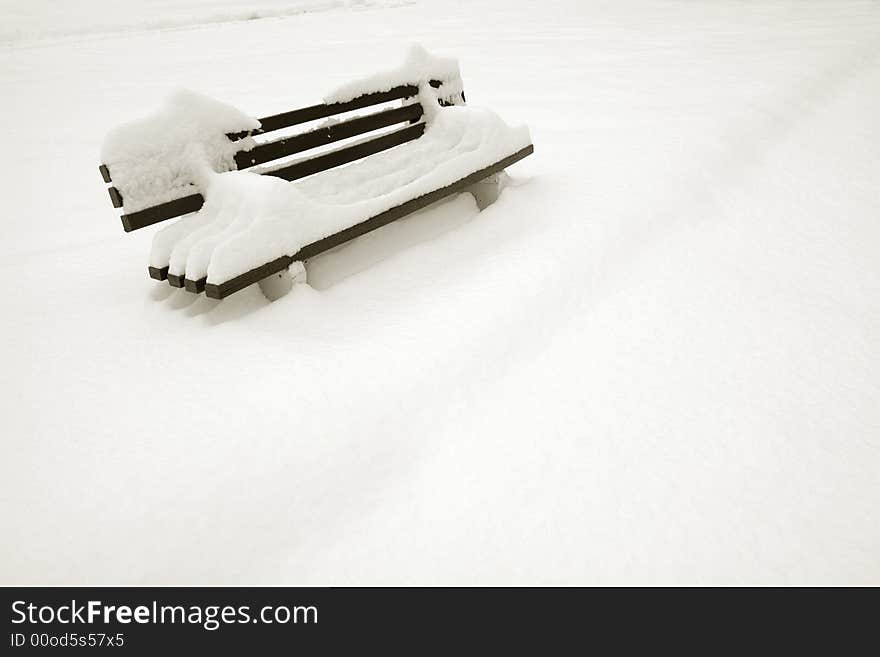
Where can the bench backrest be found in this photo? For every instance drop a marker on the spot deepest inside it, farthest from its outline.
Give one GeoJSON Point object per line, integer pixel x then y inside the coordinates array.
{"type": "Point", "coordinates": [274, 149]}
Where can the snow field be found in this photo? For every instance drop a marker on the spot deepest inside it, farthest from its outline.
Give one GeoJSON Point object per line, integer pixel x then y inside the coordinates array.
{"type": "Point", "coordinates": [653, 360]}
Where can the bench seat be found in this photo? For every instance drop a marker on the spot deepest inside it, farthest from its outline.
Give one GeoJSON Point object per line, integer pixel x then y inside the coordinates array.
{"type": "Point", "coordinates": [218, 248]}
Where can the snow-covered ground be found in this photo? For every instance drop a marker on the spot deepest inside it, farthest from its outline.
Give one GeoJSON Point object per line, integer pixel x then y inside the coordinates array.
{"type": "Point", "coordinates": [656, 359]}
{"type": "Point", "coordinates": [55, 19]}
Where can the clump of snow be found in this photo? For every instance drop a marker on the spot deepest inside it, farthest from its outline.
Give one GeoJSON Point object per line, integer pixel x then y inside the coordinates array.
{"type": "Point", "coordinates": [153, 160]}
{"type": "Point", "coordinates": [429, 101]}
{"type": "Point", "coordinates": [233, 201]}
{"type": "Point", "coordinates": [249, 219]}
{"type": "Point", "coordinates": [419, 66]}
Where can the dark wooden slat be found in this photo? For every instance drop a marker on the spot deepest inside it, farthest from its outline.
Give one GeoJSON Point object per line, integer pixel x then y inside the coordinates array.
{"type": "Point", "coordinates": [222, 290]}
{"type": "Point", "coordinates": [348, 154]}
{"type": "Point", "coordinates": [105, 173]}
{"type": "Point", "coordinates": [115, 197]}
{"type": "Point", "coordinates": [194, 286]}
{"type": "Point", "coordinates": [322, 111]}
{"type": "Point", "coordinates": [175, 280]}
{"type": "Point", "coordinates": [296, 117]}
{"type": "Point", "coordinates": [214, 291]}
{"type": "Point", "coordinates": [159, 273]}
{"type": "Point", "coordinates": [161, 212]}
{"type": "Point", "coordinates": [273, 150]}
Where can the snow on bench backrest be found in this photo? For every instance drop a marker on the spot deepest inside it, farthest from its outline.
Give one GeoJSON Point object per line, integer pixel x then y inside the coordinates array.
{"type": "Point", "coordinates": [150, 161]}
{"type": "Point", "coordinates": [420, 66]}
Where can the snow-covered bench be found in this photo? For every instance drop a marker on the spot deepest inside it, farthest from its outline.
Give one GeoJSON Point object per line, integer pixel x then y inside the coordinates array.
{"type": "Point", "coordinates": [197, 157]}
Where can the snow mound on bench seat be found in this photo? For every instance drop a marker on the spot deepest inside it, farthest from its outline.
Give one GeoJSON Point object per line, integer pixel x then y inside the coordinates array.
{"type": "Point", "coordinates": [249, 220]}
{"type": "Point", "coordinates": [151, 159]}
{"type": "Point", "coordinates": [418, 66]}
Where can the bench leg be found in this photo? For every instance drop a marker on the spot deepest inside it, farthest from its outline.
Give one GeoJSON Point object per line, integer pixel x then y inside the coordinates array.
{"type": "Point", "coordinates": [486, 191]}
{"type": "Point", "coordinates": [277, 285]}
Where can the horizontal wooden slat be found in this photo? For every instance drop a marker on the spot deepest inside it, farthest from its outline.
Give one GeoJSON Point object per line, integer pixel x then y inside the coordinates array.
{"type": "Point", "coordinates": [194, 286]}
{"type": "Point", "coordinates": [105, 173]}
{"type": "Point", "coordinates": [255, 275]}
{"type": "Point", "coordinates": [159, 273]}
{"type": "Point", "coordinates": [222, 290]}
{"type": "Point", "coordinates": [296, 117]}
{"type": "Point", "coordinates": [279, 148]}
{"type": "Point", "coordinates": [348, 154]}
{"type": "Point", "coordinates": [161, 212]}
{"type": "Point", "coordinates": [115, 197]}
{"type": "Point", "coordinates": [322, 111]}
{"type": "Point", "coordinates": [176, 280]}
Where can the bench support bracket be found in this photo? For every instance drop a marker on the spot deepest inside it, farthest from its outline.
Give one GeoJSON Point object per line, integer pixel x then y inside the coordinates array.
{"type": "Point", "coordinates": [487, 190]}
{"type": "Point", "coordinates": [277, 285]}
